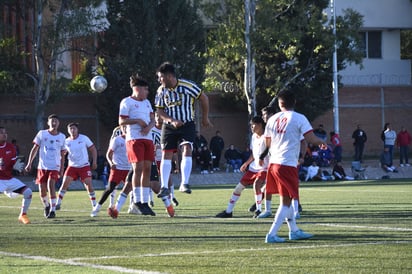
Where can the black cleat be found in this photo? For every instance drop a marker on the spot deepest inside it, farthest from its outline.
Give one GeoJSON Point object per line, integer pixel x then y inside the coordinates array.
{"type": "Point", "coordinates": [252, 208]}
{"type": "Point", "coordinates": [51, 215]}
{"type": "Point", "coordinates": [145, 209]}
{"type": "Point", "coordinates": [224, 214]}
{"type": "Point", "coordinates": [163, 192]}
{"type": "Point", "coordinates": [185, 188]}
{"type": "Point", "coordinates": [257, 213]}
{"type": "Point", "coordinates": [175, 202]}
{"type": "Point", "coordinates": [46, 211]}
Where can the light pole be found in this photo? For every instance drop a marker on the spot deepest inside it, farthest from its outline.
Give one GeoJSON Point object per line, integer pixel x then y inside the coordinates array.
{"type": "Point", "coordinates": [335, 72]}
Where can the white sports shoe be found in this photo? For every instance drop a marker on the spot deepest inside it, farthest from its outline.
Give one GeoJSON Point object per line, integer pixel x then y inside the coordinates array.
{"type": "Point", "coordinates": [94, 213]}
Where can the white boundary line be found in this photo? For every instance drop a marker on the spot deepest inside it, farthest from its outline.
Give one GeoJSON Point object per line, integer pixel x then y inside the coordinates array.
{"type": "Point", "coordinates": [368, 227]}
{"type": "Point", "coordinates": [76, 263]}
{"type": "Point", "coordinates": [270, 247]}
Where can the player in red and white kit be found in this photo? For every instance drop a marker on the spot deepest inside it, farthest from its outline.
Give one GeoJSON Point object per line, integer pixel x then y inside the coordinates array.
{"type": "Point", "coordinates": [119, 168]}
{"type": "Point", "coordinates": [78, 147]}
{"type": "Point", "coordinates": [137, 114]}
{"type": "Point", "coordinates": [50, 145]}
{"type": "Point", "coordinates": [255, 174]}
{"type": "Point", "coordinates": [8, 184]}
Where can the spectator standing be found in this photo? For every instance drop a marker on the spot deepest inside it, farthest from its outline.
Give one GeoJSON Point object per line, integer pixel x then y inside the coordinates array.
{"type": "Point", "coordinates": [217, 144]}
{"type": "Point", "coordinates": [388, 137]}
{"type": "Point", "coordinates": [321, 133]}
{"type": "Point", "coordinates": [360, 138]}
{"type": "Point", "coordinates": [50, 145]}
{"type": "Point", "coordinates": [234, 158]}
{"type": "Point", "coordinates": [337, 146]}
{"type": "Point", "coordinates": [175, 105]}
{"type": "Point", "coordinates": [8, 184]}
{"type": "Point", "coordinates": [403, 140]}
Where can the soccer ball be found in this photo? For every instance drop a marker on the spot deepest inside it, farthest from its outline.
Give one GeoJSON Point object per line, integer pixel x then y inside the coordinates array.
{"type": "Point", "coordinates": [98, 84]}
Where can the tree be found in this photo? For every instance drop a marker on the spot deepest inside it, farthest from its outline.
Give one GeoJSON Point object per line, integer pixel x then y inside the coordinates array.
{"type": "Point", "coordinates": [49, 35]}
{"type": "Point", "coordinates": [142, 35]}
{"type": "Point", "coordinates": [292, 43]}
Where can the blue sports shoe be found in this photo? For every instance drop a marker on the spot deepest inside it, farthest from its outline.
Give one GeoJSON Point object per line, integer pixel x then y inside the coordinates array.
{"type": "Point", "coordinates": [264, 214]}
{"type": "Point", "coordinates": [271, 239]}
{"type": "Point", "coordinates": [299, 235]}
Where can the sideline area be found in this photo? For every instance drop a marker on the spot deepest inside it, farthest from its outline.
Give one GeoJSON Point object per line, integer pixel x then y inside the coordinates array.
{"type": "Point", "coordinates": [373, 172]}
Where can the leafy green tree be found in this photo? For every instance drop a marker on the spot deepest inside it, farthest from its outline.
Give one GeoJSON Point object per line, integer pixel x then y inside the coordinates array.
{"type": "Point", "coordinates": [54, 25]}
{"type": "Point", "coordinates": [292, 43]}
{"type": "Point", "coordinates": [142, 35]}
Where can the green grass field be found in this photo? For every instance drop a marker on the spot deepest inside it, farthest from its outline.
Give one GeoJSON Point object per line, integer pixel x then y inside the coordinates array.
{"type": "Point", "coordinates": [359, 227]}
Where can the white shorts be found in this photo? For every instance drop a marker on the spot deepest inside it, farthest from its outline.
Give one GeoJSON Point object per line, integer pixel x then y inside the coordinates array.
{"type": "Point", "coordinates": [8, 186]}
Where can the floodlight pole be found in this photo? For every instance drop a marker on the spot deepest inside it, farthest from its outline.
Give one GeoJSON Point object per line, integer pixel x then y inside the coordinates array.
{"type": "Point", "coordinates": [335, 72]}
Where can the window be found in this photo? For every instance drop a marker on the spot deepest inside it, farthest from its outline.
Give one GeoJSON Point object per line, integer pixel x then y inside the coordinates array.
{"type": "Point", "coordinates": [372, 44]}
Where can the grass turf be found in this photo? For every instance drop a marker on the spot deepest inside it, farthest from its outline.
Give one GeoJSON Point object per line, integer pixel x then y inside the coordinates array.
{"type": "Point", "coordinates": [359, 227]}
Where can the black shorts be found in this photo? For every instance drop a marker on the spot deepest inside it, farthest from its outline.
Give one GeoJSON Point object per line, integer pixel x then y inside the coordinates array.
{"type": "Point", "coordinates": [172, 137]}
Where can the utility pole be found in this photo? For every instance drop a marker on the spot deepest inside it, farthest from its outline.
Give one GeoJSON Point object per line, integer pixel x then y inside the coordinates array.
{"type": "Point", "coordinates": [335, 72]}
{"type": "Point", "coordinates": [249, 78]}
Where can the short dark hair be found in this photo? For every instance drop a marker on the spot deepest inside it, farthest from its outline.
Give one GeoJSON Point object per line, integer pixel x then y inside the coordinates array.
{"type": "Point", "coordinates": [138, 81]}
{"type": "Point", "coordinates": [166, 68]}
{"type": "Point", "coordinates": [288, 98]}
{"type": "Point", "coordinates": [51, 116]}
{"type": "Point", "coordinates": [73, 124]}
{"type": "Point", "coordinates": [257, 120]}
{"type": "Point", "coordinates": [270, 109]}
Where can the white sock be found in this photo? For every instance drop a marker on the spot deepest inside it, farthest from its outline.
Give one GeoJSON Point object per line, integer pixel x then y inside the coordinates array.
{"type": "Point", "coordinates": [258, 200]}
{"type": "Point", "coordinates": [280, 216]}
{"type": "Point", "coordinates": [145, 194]}
{"type": "Point", "coordinates": [112, 197]}
{"type": "Point", "coordinates": [120, 201]}
{"type": "Point", "coordinates": [295, 205]}
{"type": "Point", "coordinates": [165, 169]}
{"type": "Point", "coordinates": [268, 205]}
{"type": "Point", "coordinates": [186, 168]}
{"type": "Point", "coordinates": [27, 196]}
{"type": "Point", "coordinates": [291, 221]}
{"type": "Point", "coordinates": [137, 194]}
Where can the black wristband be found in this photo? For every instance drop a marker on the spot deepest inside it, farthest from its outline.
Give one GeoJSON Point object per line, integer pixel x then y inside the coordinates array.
{"type": "Point", "coordinates": [264, 153]}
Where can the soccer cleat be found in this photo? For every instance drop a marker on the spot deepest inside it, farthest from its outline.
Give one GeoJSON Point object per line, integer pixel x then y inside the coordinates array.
{"type": "Point", "coordinates": [299, 235]}
{"type": "Point", "coordinates": [51, 215]}
{"type": "Point", "coordinates": [175, 202]}
{"type": "Point", "coordinates": [224, 214]}
{"type": "Point", "coordinates": [264, 214]}
{"type": "Point", "coordinates": [271, 239]}
{"type": "Point", "coordinates": [185, 188]}
{"type": "Point", "coordinates": [163, 192]}
{"type": "Point", "coordinates": [133, 210]}
{"type": "Point", "coordinates": [252, 208]}
{"type": "Point", "coordinates": [46, 211]}
{"type": "Point", "coordinates": [112, 212]}
{"type": "Point", "coordinates": [94, 212]}
{"type": "Point", "coordinates": [58, 206]}
{"type": "Point", "coordinates": [170, 211]}
{"type": "Point", "coordinates": [257, 213]}
{"type": "Point", "coordinates": [24, 219]}
{"type": "Point", "coordinates": [145, 209]}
